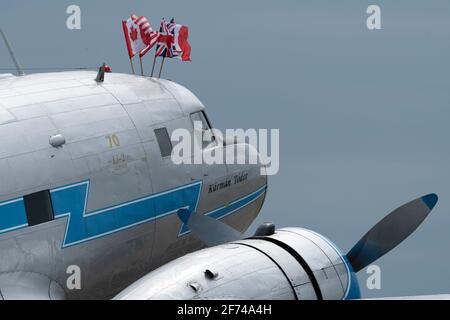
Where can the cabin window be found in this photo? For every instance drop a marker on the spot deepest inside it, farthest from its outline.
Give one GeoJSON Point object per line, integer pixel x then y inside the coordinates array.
{"type": "Point", "coordinates": [165, 145]}
{"type": "Point", "coordinates": [208, 136]}
{"type": "Point", "coordinates": [38, 207]}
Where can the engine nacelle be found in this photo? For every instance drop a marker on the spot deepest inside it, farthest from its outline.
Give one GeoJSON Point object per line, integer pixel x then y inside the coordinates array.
{"type": "Point", "coordinates": [292, 263]}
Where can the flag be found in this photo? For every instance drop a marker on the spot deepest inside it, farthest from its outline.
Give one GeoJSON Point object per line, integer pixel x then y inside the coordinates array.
{"type": "Point", "coordinates": [149, 37]}
{"type": "Point", "coordinates": [165, 40]}
{"type": "Point", "coordinates": [139, 35]}
{"type": "Point", "coordinates": [181, 46]}
{"type": "Point", "coordinates": [173, 41]}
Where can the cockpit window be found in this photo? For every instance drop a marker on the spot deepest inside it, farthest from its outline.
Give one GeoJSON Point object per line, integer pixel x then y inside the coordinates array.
{"type": "Point", "coordinates": [208, 136]}
{"type": "Point", "coordinates": [165, 145]}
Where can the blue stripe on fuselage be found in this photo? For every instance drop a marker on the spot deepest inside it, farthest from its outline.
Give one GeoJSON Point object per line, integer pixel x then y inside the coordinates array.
{"type": "Point", "coordinates": [83, 226]}
{"type": "Point", "coordinates": [71, 201]}
{"type": "Point", "coordinates": [12, 215]}
{"type": "Point", "coordinates": [232, 207]}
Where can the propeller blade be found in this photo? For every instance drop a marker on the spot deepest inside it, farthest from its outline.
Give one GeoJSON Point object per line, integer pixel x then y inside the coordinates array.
{"type": "Point", "coordinates": [210, 231]}
{"type": "Point", "coordinates": [390, 231]}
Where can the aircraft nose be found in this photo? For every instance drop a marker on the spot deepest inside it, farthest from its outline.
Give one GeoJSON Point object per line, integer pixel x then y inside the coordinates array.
{"type": "Point", "coordinates": [262, 167]}
{"type": "Point", "coordinates": [249, 161]}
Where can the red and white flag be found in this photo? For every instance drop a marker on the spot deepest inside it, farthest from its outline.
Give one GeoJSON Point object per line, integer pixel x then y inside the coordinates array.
{"type": "Point", "coordinates": [139, 35]}
{"type": "Point", "coordinates": [182, 48]}
{"type": "Point", "coordinates": [173, 41]}
{"type": "Point", "coordinates": [149, 37]}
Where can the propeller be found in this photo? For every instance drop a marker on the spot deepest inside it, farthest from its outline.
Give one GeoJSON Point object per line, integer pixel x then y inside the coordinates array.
{"type": "Point", "coordinates": [383, 237]}
{"type": "Point", "coordinates": [390, 231]}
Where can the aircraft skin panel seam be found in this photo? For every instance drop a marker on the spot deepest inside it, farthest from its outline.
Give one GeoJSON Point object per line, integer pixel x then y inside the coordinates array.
{"type": "Point", "coordinates": [276, 263]}
{"type": "Point", "coordinates": [300, 260]}
{"type": "Point", "coordinates": [341, 256]}
{"type": "Point", "coordinates": [345, 290]}
{"type": "Point", "coordinates": [175, 98]}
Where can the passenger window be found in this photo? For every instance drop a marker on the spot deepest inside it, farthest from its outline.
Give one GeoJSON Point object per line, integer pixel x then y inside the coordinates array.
{"type": "Point", "coordinates": [207, 132]}
{"type": "Point", "coordinates": [165, 145]}
{"type": "Point", "coordinates": [38, 207]}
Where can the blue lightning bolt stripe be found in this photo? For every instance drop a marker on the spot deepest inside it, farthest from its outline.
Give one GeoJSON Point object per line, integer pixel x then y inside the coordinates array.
{"type": "Point", "coordinates": [83, 226]}
{"type": "Point", "coordinates": [71, 201]}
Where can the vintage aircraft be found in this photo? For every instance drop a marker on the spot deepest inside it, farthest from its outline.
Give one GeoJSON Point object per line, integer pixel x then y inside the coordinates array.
{"type": "Point", "coordinates": [89, 189]}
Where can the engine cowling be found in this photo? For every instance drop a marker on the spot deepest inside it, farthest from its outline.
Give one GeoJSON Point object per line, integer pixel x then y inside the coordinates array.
{"type": "Point", "coordinates": [292, 263]}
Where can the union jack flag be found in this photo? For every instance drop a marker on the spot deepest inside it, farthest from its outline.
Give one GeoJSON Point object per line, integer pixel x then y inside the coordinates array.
{"type": "Point", "coordinates": [172, 41]}
{"type": "Point", "coordinates": [165, 40]}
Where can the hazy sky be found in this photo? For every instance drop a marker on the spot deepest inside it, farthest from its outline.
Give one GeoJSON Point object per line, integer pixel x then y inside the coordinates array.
{"type": "Point", "coordinates": [363, 115]}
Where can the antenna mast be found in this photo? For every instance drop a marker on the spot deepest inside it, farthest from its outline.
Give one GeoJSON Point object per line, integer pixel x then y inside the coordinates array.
{"type": "Point", "coordinates": [11, 53]}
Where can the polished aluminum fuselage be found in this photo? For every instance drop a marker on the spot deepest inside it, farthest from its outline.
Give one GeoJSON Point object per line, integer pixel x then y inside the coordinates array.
{"type": "Point", "coordinates": [111, 149]}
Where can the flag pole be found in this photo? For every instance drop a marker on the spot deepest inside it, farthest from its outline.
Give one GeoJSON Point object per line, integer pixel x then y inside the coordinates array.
{"type": "Point", "coordinates": [132, 67]}
{"type": "Point", "coordinates": [140, 61]}
{"type": "Point", "coordinates": [153, 66]}
{"type": "Point", "coordinates": [162, 64]}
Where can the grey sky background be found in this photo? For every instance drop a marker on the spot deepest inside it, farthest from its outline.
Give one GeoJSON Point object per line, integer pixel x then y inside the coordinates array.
{"type": "Point", "coordinates": [363, 115]}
